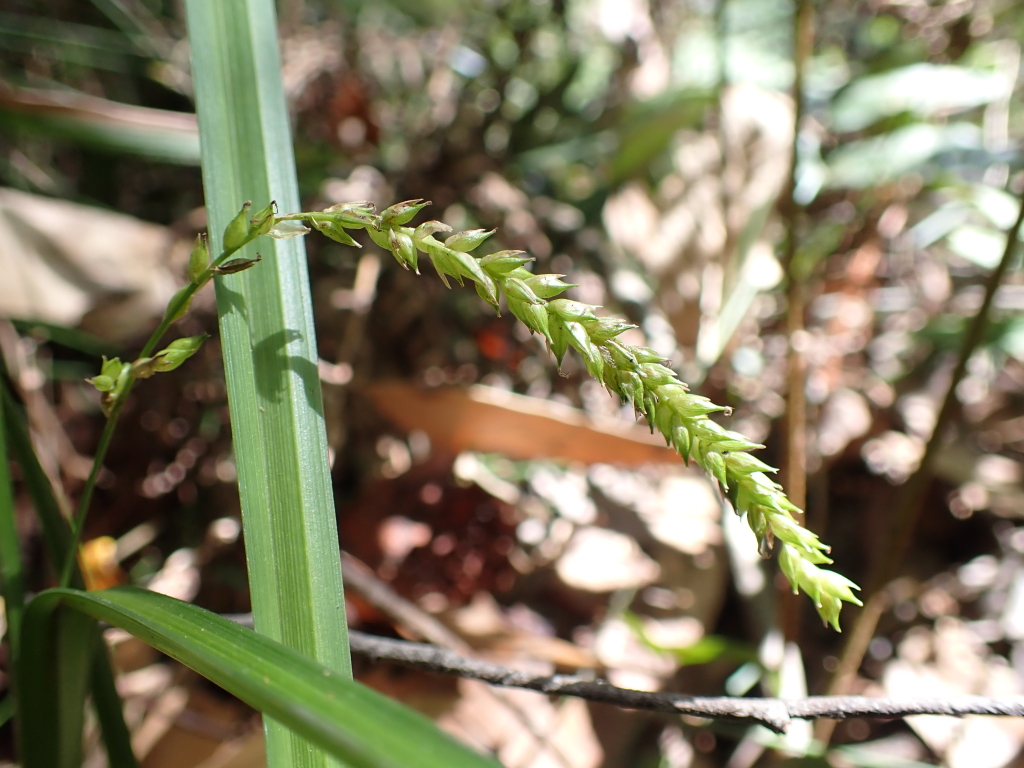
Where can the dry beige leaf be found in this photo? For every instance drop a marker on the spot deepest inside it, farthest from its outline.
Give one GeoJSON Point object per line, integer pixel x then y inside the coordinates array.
{"type": "Point", "coordinates": [491, 420]}
{"type": "Point", "coordinates": [72, 264]}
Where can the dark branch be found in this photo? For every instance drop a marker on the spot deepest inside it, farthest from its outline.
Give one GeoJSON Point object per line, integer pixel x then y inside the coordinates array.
{"type": "Point", "coordinates": [775, 714]}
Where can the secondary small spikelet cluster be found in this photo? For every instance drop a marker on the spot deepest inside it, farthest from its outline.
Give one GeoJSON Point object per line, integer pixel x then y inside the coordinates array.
{"type": "Point", "coordinates": [638, 375]}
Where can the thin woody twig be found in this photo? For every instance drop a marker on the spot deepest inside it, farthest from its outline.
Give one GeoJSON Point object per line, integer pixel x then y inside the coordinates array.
{"type": "Point", "coordinates": [794, 465]}
{"type": "Point", "coordinates": [910, 500]}
{"type": "Point", "coordinates": [774, 714]}
{"type": "Point", "coordinates": [380, 595]}
{"type": "Point", "coordinates": [794, 469]}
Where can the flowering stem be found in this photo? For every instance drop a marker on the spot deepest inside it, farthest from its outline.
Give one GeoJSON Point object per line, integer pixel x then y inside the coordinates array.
{"type": "Point", "coordinates": [637, 375]}
{"type": "Point", "coordinates": [114, 401]}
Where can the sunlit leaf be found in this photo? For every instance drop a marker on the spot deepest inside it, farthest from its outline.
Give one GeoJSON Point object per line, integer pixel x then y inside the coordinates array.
{"type": "Point", "coordinates": [861, 164]}
{"type": "Point", "coordinates": [921, 89]}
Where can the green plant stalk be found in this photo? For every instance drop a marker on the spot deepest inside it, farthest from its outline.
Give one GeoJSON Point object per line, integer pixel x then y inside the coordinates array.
{"type": "Point", "coordinates": [177, 307]}
{"type": "Point", "coordinates": [269, 349]}
{"type": "Point", "coordinates": [636, 375]}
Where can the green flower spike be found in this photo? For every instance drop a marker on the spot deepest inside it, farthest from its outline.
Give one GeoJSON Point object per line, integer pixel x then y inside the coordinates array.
{"type": "Point", "coordinates": [639, 376]}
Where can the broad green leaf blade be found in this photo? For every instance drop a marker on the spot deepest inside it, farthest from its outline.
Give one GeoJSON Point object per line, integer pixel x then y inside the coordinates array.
{"type": "Point", "coordinates": [57, 536]}
{"type": "Point", "coordinates": [348, 720]}
{"type": "Point", "coordinates": [269, 346]}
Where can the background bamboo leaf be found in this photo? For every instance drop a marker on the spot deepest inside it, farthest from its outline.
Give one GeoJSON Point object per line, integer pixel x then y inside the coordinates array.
{"type": "Point", "coordinates": [90, 121]}
{"type": "Point", "coordinates": [56, 533]}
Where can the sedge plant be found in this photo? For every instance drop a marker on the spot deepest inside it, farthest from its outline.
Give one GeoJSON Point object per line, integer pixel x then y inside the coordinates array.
{"type": "Point", "coordinates": [639, 376]}
{"type": "Point", "coordinates": [295, 668]}
{"type": "Point", "coordinates": [229, 655]}
{"type": "Point", "coordinates": [320, 710]}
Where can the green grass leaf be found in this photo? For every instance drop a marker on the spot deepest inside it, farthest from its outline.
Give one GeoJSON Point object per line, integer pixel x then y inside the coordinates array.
{"type": "Point", "coordinates": [12, 582]}
{"type": "Point", "coordinates": [269, 346]}
{"type": "Point", "coordinates": [348, 720]}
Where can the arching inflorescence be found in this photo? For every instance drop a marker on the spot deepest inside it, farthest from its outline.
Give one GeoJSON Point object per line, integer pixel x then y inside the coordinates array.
{"type": "Point", "coordinates": [638, 375]}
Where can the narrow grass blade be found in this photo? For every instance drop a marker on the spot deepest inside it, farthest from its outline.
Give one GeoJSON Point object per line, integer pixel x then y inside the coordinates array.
{"type": "Point", "coordinates": [72, 338]}
{"type": "Point", "coordinates": [56, 533]}
{"type": "Point", "coordinates": [350, 721]}
{"type": "Point", "coordinates": [57, 536]}
{"type": "Point", "coordinates": [110, 711]}
{"type": "Point", "coordinates": [269, 346]}
{"type": "Point", "coordinates": [12, 580]}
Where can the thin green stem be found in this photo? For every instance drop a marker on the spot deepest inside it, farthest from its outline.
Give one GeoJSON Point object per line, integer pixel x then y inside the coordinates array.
{"type": "Point", "coordinates": [175, 308]}
{"type": "Point", "coordinates": [78, 523]}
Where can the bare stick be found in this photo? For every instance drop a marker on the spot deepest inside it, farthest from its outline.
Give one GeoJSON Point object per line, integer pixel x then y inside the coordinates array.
{"type": "Point", "coordinates": [383, 597]}
{"type": "Point", "coordinates": [775, 714]}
